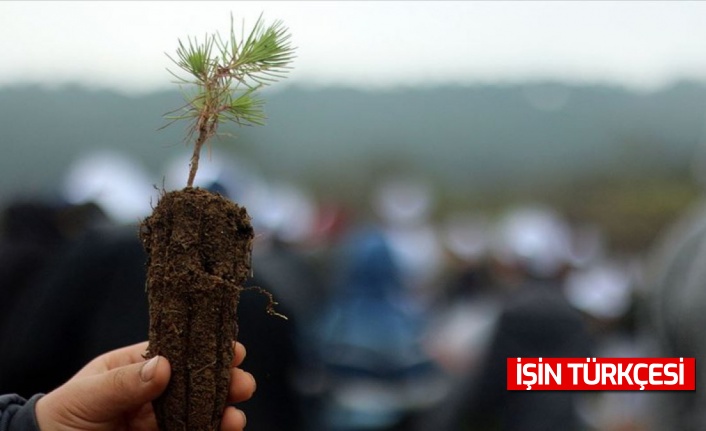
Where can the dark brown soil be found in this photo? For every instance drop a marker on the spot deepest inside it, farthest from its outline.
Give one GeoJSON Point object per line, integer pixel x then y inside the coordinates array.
{"type": "Point", "coordinates": [199, 256]}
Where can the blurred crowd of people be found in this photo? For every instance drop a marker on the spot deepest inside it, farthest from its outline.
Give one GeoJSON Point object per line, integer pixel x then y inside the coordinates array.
{"type": "Point", "coordinates": [398, 320]}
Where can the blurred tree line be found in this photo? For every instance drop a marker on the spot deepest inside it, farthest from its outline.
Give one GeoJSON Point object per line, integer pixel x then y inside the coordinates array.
{"type": "Point", "coordinates": [609, 155]}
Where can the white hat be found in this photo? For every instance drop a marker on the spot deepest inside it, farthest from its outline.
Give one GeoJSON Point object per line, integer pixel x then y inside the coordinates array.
{"type": "Point", "coordinates": [535, 237]}
{"type": "Point", "coordinates": [602, 291]}
{"type": "Point", "coordinates": [116, 183]}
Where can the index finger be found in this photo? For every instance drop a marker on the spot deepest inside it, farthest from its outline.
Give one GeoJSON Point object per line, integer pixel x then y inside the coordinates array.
{"type": "Point", "coordinates": [136, 353]}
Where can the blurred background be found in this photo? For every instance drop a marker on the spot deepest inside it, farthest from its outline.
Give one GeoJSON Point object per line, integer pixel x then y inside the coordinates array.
{"type": "Point", "coordinates": [439, 185]}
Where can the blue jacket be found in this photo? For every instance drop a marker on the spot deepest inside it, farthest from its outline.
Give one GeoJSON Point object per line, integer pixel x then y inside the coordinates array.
{"type": "Point", "coordinates": [17, 414]}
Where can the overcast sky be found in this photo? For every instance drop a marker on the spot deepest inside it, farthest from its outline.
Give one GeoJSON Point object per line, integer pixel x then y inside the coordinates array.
{"type": "Point", "coordinates": [122, 45]}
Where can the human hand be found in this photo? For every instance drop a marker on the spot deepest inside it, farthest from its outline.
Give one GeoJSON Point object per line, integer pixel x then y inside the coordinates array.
{"type": "Point", "coordinates": [115, 392]}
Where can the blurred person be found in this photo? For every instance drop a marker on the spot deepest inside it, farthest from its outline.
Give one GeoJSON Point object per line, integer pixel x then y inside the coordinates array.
{"type": "Point", "coordinates": [114, 392]}
{"type": "Point", "coordinates": [32, 233]}
{"type": "Point", "coordinates": [604, 290]}
{"type": "Point", "coordinates": [532, 250]}
{"type": "Point", "coordinates": [404, 205]}
{"type": "Point", "coordinates": [53, 316]}
{"type": "Point", "coordinates": [374, 367]}
{"type": "Point", "coordinates": [676, 314]}
{"type": "Point", "coordinates": [88, 300]}
{"type": "Point", "coordinates": [468, 304]}
{"type": "Point", "coordinates": [299, 286]}
{"type": "Point", "coordinates": [463, 317]}
{"type": "Point", "coordinates": [287, 218]}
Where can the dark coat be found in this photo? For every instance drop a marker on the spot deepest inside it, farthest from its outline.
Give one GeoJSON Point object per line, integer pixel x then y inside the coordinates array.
{"type": "Point", "coordinates": [536, 322]}
{"type": "Point", "coordinates": [676, 316]}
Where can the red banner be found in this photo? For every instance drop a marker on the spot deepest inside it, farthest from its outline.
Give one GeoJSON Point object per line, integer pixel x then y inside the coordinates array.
{"type": "Point", "coordinates": [601, 374]}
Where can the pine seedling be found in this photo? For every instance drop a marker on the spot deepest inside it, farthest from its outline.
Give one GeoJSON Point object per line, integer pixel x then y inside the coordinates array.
{"type": "Point", "coordinates": [199, 243]}
{"type": "Point", "coordinates": [223, 77]}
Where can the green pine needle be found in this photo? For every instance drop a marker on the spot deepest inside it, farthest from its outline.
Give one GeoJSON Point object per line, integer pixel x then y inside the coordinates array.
{"type": "Point", "coordinates": [222, 77]}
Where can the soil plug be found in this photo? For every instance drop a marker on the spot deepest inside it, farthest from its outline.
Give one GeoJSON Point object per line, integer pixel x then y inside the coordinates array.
{"type": "Point", "coordinates": [199, 243]}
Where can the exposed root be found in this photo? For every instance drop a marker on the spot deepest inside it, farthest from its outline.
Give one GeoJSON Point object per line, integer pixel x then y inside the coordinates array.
{"type": "Point", "coordinates": [271, 304]}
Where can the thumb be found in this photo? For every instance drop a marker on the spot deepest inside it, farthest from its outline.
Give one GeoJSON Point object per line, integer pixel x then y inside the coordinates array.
{"type": "Point", "coordinates": [106, 396]}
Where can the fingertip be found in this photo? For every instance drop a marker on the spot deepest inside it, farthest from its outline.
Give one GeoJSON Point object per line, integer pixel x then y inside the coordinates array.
{"type": "Point", "coordinates": [149, 369]}
{"type": "Point", "coordinates": [242, 385]}
{"type": "Point", "coordinates": [233, 419]}
{"type": "Point", "coordinates": [159, 375]}
{"type": "Point", "coordinates": [239, 355]}
{"type": "Point", "coordinates": [164, 369]}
